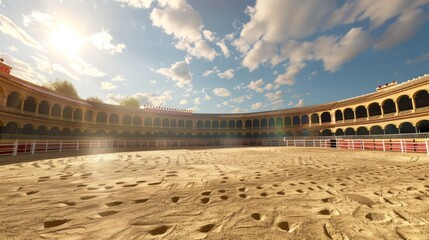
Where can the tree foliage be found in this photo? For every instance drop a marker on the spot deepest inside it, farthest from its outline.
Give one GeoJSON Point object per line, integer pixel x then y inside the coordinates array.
{"type": "Point", "coordinates": [63, 86]}
{"type": "Point", "coordinates": [130, 102]}
{"type": "Point", "coordinates": [94, 99]}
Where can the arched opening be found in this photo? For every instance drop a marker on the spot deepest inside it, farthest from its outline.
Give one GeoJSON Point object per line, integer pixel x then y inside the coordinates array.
{"type": "Point", "coordinates": [248, 124]}
{"type": "Point", "coordinates": [423, 126]}
{"type": "Point", "coordinates": [349, 114]}
{"type": "Point", "coordinates": [88, 116]}
{"type": "Point", "coordinates": [296, 121]}
{"type": "Point", "coordinates": [67, 112]}
{"type": "Point", "coordinates": [338, 115]}
{"type": "Point", "coordinates": [223, 124]}
{"type": "Point", "coordinates": [264, 123]}
{"type": "Point", "coordinates": [56, 110]}
{"type": "Point", "coordinates": [288, 121]}
{"type": "Point", "coordinates": [361, 112]}
{"type": "Point", "coordinates": [376, 130]}
{"type": "Point", "coordinates": [44, 107]}
{"type": "Point", "coordinates": [421, 99]}
{"type": "Point", "coordinates": [407, 127]}
{"type": "Point", "coordinates": [404, 103]}
{"type": "Point", "coordinates": [207, 124]}
{"type": "Point", "coordinates": [66, 132]}
{"type": "Point", "coordinates": [41, 130]}
{"type": "Point", "coordinates": [279, 122]}
{"type": "Point", "coordinates": [11, 128]}
{"type": "Point", "coordinates": [239, 124]}
{"type": "Point", "coordinates": [339, 132]}
{"type": "Point", "coordinates": [157, 122]}
{"type": "Point", "coordinates": [362, 131]}
{"type": "Point", "coordinates": [189, 125]}
{"type": "Point", "coordinates": [165, 123]}
{"type": "Point", "coordinates": [101, 117]}
{"type": "Point", "coordinates": [137, 121]}
{"type": "Point", "coordinates": [55, 131]}
{"type": "Point", "coordinates": [388, 106]}
{"type": "Point", "coordinates": [114, 118]}
{"type": "Point", "coordinates": [14, 100]}
{"type": "Point", "coordinates": [30, 104]}
{"type": "Point", "coordinates": [126, 120]}
{"type": "Point", "coordinates": [314, 118]}
{"type": "Point", "coordinates": [78, 114]}
{"type": "Point", "coordinates": [215, 124]}
{"type": "Point", "coordinates": [87, 133]}
{"type": "Point", "coordinates": [112, 133]}
{"type": "Point", "coordinates": [391, 129]}
{"type": "Point", "coordinates": [173, 123]}
{"type": "Point", "coordinates": [148, 122]}
{"type": "Point", "coordinates": [137, 134]}
{"type": "Point", "coordinates": [181, 123]}
{"type": "Point", "coordinates": [305, 119]}
{"type": "Point", "coordinates": [28, 129]}
{"type": "Point", "coordinates": [374, 109]}
{"type": "Point", "coordinates": [349, 131]}
{"type": "Point", "coordinates": [231, 124]}
{"type": "Point", "coordinates": [100, 133]}
{"type": "Point", "coordinates": [76, 132]}
{"type": "Point", "coordinates": [326, 117]}
{"type": "Point", "coordinates": [326, 132]}
{"type": "Point", "coordinates": [200, 124]}
{"type": "Point", "coordinates": [256, 123]}
{"type": "Point", "coordinates": [305, 133]}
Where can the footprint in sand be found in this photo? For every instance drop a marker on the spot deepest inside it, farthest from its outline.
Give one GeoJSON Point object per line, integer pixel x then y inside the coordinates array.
{"type": "Point", "coordinates": [88, 197]}
{"type": "Point", "coordinates": [54, 223]}
{"type": "Point", "coordinates": [143, 200]}
{"type": "Point", "coordinates": [159, 230]}
{"type": "Point", "coordinates": [205, 200]}
{"type": "Point", "coordinates": [115, 203]}
{"type": "Point", "coordinates": [206, 228]}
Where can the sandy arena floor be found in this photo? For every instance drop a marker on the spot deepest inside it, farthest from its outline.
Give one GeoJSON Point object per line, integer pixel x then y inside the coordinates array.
{"type": "Point", "coordinates": [247, 193]}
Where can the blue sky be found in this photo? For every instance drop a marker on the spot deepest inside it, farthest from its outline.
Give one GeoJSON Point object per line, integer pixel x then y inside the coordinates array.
{"type": "Point", "coordinates": [217, 55]}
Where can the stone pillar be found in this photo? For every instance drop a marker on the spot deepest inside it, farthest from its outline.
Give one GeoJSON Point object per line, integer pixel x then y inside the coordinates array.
{"type": "Point", "coordinates": [396, 107]}
{"type": "Point", "coordinates": [414, 104]}
{"type": "Point", "coordinates": [37, 108]}
{"type": "Point", "coordinates": [22, 105]}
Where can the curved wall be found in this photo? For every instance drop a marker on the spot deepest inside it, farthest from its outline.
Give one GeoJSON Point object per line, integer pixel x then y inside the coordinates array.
{"type": "Point", "coordinates": [30, 109]}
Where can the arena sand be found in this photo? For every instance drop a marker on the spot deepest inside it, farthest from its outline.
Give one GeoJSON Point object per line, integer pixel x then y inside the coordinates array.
{"type": "Point", "coordinates": [245, 193]}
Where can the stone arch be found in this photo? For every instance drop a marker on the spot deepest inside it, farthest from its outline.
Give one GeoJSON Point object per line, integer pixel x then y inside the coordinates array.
{"type": "Point", "coordinates": [349, 131]}
{"type": "Point", "coordinates": [14, 100]}
{"type": "Point", "coordinates": [314, 118]}
{"type": "Point", "coordinates": [248, 124]}
{"type": "Point", "coordinates": [376, 130]}
{"type": "Point", "coordinates": [349, 114]}
{"type": "Point", "coordinates": [56, 110]}
{"type": "Point", "coordinates": [30, 104]}
{"type": "Point", "coordinates": [41, 130]}
{"type": "Point", "coordinates": [44, 107]}
{"type": "Point", "coordinates": [264, 123]}
{"type": "Point", "coordinates": [404, 103]}
{"type": "Point", "coordinates": [181, 123]}
{"type": "Point", "coordinates": [215, 124]}
{"type": "Point", "coordinates": [339, 132]}
{"type": "Point", "coordinates": [189, 125]}
{"type": "Point", "coordinates": [361, 112]}
{"type": "Point", "coordinates": [423, 126]}
{"type": "Point", "coordinates": [407, 127]}
{"type": "Point", "coordinates": [207, 124]}
{"type": "Point", "coordinates": [239, 124]}
{"type": "Point", "coordinates": [113, 133]}
{"type": "Point", "coordinates": [288, 121]}
{"type": "Point", "coordinates": [78, 114]}
{"type": "Point", "coordinates": [388, 106]}
{"type": "Point", "coordinates": [255, 123]}
{"type": "Point", "coordinates": [28, 129]}
{"type": "Point", "coordinates": [200, 124]}
{"type": "Point", "coordinates": [279, 122]}
{"type": "Point", "coordinates": [126, 119]}
{"type": "Point", "coordinates": [165, 123]}
{"type": "Point", "coordinates": [76, 132]}
{"type": "Point", "coordinates": [305, 119]}
{"type": "Point", "coordinates": [54, 131]}
{"type": "Point", "coordinates": [157, 122]}
{"type": "Point", "coordinates": [12, 128]}
{"type": "Point", "coordinates": [223, 124]}
{"type": "Point", "coordinates": [114, 118]}
{"type": "Point", "coordinates": [374, 109]}
{"type": "Point", "coordinates": [65, 132]}
{"type": "Point", "coordinates": [88, 116]}
{"type": "Point", "coordinates": [67, 112]}
{"type": "Point", "coordinates": [296, 121]}
{"type": "Point", "coordinates": [362, 131]}
{"type": "Point", "coordinates": [326, 117]}
{"type": "Point", "coordinates": [173, 123]}
{"type": "Point", "coordinates": [421, 98]}
{"type": "Point", "coordinates": [391, 129]}
{"type": "Point", "coordinates": [100, 133]}
{"type": "Point", "coordinates": [338, 115]}
{"type": "Point", "coordinates": [148, 122]}
{"type": "Point", "coordinates": [137, 121]}
{"type": "Point", "coordinates": [101, 117]}
{"type": "Point", "coordinates": [326, 132]}
{"type": "Point", "coordinates": [231, 124]}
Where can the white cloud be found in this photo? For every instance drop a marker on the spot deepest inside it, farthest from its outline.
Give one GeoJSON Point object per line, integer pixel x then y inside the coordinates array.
{"type": "Point", "coordinates": [137, 3]}
{"type": "Point", "coordinates": [228, 74]}
{"type": "Point", "coordinates": [42, 63]}
{"type": "Point", "coordinates": [197, 101]}
{"type": "Point", "coordinates": [59, 68]}
{"type": "Point", "coordinates": [300, 103]}
{"type": "Point", "coordinates": [154, 98]}
{"type": "Point", "coordinates": [241, 99]}
{"type": "Point", "coordinates": [237, 110]}
{"type": "Point", "coordinates": [256, 85]}
{"type": "Point", "coordinates": [224, 48]}
{"type": "Point", "coordinates": [13, 48]}
{"type": "Point", "coordinates": [269, 86]}
{"type": "Point", "coordinates": [24, 70]}
{"type": "Point", "coordinates": [84, 68]}
{"type": "Point", "coordinates": [257, 106]}
{"type": "Point", "coordinates": [221, 92]}
{"type": "Point", "coordinates": [103, 41]}
{"type": "Point", "coordinates": [208, 35]}
{"type": "Point", "coordinates": [8, 27]}
{"type": "Point", "coordinates": [179, 19]}
{"type": "Point", "coordinates": [178, 72]}
{"type": "Point", "coordinates": [183, 102]}
{"type": "Point", "coordinates": [206, 96]}
{"type": "Point", "coordinates": [421, 58]}
{"type": "Point", "coordinates": [272, 96]}
{"type": "Point", "coordinates": [313, 74]}
{"type": "Point", "coordinates": [108, 86]}
{"type": "Point", "coordinates": [41, 18]}
{"type": "Point", "coordinates": [211, 71]}
{"type": "Point", "coordinates": [118, 78]}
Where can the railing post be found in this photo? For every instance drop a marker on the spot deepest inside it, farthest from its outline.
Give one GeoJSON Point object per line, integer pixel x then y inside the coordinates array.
{"type": "Point", "coordinates": [353, 145]}
{"type": "Point", "coordinates": [61, 145]}
{"type": "Point", "coordinates": [402, 146]}
{"type": "Point", "coordinates": [363, 145]}
{"type": "Point", "coordinates": [384, 146]}
{"type": "Point", "coordinates": [46, 149]}
{"type": "Point", "coordinates": [15, 148]}
{"type": "Point", "coordinates": [294, 143]}
{"type": "Point", "coordinates": [427, 147]}
{"type": "Point", "coordinates": [77, 145]}
{"type": "Point", "coordinates": [33, 147]}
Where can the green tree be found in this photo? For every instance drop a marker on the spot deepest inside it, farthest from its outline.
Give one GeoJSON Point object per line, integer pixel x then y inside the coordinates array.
{"type": "Point", "coordinates": [94, 99]}
{"type": "Point", "coordinates": [130, 102]}
{"type": "Point", "coordinates": [62, 86]}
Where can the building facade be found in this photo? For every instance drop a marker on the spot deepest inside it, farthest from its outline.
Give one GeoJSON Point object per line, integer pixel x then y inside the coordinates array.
{"type": "Point", "coordinates": [29, 109]}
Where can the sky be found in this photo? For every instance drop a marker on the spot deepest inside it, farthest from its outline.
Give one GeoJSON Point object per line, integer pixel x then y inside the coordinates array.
{"type": "Point", "coordinates": [217, 56]}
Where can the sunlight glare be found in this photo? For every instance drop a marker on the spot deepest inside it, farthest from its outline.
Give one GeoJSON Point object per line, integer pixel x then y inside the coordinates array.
{"type": "Point", "coordinates": [65, 40]}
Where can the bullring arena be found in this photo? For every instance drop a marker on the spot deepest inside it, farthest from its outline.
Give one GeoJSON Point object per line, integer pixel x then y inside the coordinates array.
{"type": "Point", "coordinates": [353, 169]}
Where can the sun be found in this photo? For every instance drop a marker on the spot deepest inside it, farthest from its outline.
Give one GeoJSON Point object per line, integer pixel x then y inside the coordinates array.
{"type": "Point", "coordinates": [66, 40]}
